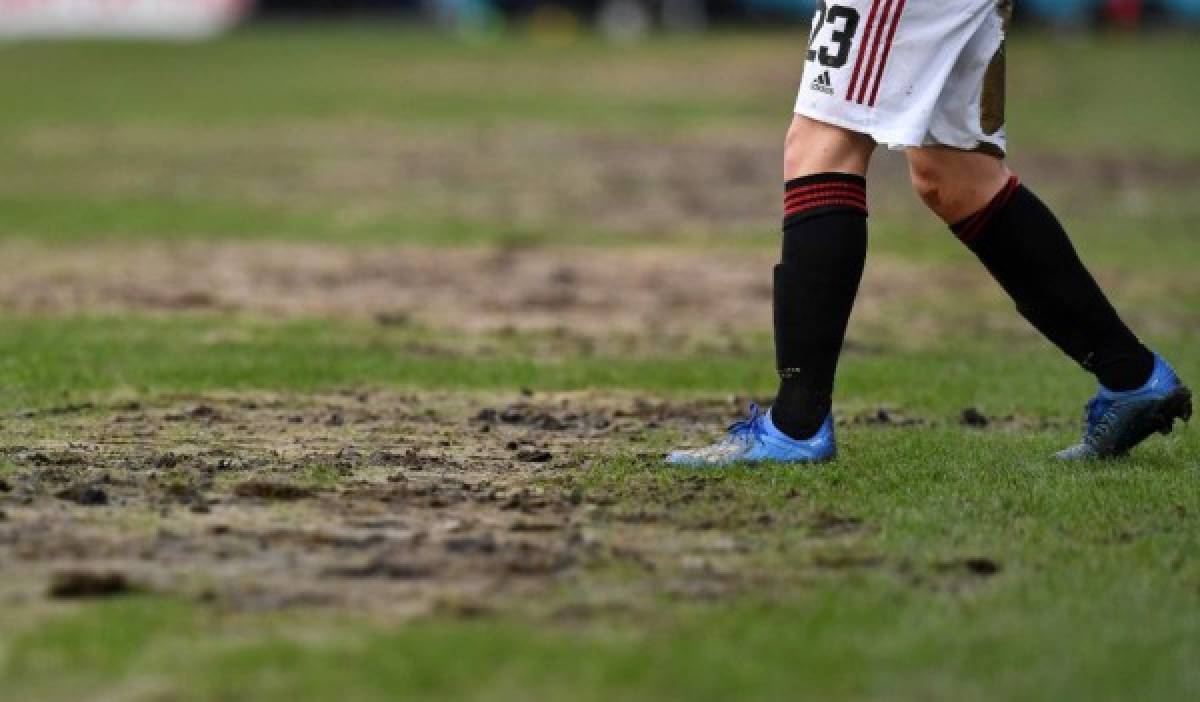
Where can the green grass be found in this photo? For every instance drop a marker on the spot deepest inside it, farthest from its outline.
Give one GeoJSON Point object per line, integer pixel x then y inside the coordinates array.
{"type": "Point", "coordinates": [126, 141]}
{"type": "Point", "coordinates": [429, 79]}
{"type": "Point", "coordinates": [67, 219]}
{"type": "Point", "coordinates": [51, 362]}
{"type": "Point", "coordinates": [833, 645]}
{"type": "Point", "coordinates": [397, 75]}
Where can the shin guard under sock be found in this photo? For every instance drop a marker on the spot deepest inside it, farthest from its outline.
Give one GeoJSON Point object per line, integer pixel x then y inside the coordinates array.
{"type": "Point", "coordinates": [1025, 248]}
{"type": "Point", "coordinates": [824, 250]}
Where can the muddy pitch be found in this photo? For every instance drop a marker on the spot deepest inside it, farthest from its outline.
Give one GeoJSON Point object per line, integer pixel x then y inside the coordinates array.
{"type": "Point", "coordinates": [614, 301]}
{"type": "Point", "coordinates": [393, 503]}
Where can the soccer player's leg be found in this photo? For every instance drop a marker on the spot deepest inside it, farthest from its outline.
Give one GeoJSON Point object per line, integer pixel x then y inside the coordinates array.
{"type": "Point", "coordinates": [824, 251]}
{"type": "Point", "coordinates": [817, 279]}
{"type": "Point", "coordinates": [1020, 241]}
{"type": "Point", "coordinates": [876, 71]}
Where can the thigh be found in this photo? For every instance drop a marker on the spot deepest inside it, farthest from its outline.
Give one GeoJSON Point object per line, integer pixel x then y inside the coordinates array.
{"type": "Point", "coordinates": [816, 147]}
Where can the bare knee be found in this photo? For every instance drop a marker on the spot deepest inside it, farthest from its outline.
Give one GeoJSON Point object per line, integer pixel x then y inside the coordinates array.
{"type": "Point", "coordinates": [955, 184]}
{"type": "Point", "coordinates": [815, 147]}
{"type": "Point", "coordinates": [929, 180]}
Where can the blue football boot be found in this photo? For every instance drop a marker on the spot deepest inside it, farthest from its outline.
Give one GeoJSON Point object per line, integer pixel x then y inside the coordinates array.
{"type": "Point", "coordinates": [755, 440]}
{"type": "Point", "coordinates": [1118, 421]}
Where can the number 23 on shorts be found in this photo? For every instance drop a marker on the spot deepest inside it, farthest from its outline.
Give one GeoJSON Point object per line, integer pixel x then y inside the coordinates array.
{"type": "Point", "coordinates": [836, 52]}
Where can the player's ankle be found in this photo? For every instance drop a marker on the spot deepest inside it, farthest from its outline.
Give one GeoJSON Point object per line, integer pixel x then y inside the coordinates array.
{"type": "Point", "coordinates": [1127, 370]}
{"type": "Point", "coordinates": [799, 413]}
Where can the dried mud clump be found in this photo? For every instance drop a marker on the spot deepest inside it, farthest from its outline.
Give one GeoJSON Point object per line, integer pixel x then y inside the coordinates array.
{"type": "Point", "coordinates": [73, 584]}
{"type": "Point", "coordinates": [886, 417]}
{"type": "Point", "coordinates": [270, 490]}
{"type": "Point", "coordinates": [86, 494]}
{"type": "Point", "coordinates": [972, 417]}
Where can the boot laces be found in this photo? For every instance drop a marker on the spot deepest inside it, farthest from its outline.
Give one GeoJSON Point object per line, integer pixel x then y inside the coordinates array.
{"type": "Point", "coordinates": [750, 430]}
{"type": "Point", "coordinates": [1096, 410]}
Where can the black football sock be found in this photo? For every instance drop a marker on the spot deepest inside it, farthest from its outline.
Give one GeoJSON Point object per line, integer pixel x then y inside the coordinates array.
{"type": "Point", "coordinates": [1025, 248]}
{"type": "Point", "coordinates": [824, 250]}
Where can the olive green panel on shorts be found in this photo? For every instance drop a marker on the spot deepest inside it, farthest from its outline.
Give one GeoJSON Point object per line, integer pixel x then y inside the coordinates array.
{"type": "Point", "coordinates": [991, 116]}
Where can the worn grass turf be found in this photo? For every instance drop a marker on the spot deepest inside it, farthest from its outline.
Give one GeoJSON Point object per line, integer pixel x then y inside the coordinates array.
{"type": "Point", "coordinates": [935, 560]}
{"type": "Point", "coordinates": [978, 571]}
{"type": "Point", "coordinates": [53, 362]}
{"type": "Point", "coordinates": [364, 135]}
{"type": "Point", "coordinates": [872, 638]}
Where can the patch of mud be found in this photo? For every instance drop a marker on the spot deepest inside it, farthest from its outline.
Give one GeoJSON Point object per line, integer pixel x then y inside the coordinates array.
{"type": "Point", "coordinates": [369, 173]}
{"type": "Point", "coordinates": [272, 490]}
{"type": "Point", "coordinates": [527, 175]}
{"type": "Point", "coordinates": [969, 417]}
{"type": "Point", "coordinates": [975, 418]}
{"type": "Point", "coordinates": [405, 505]}
{"type": "Point", "coordinates": [86, 494]}
{"type": "Point", "coordinates": [589, 294]}
{"type": "Point", "coordinates": [883, 417]}
{"type": "Point", "coordinates": [585, 301]}
{"type": "Point", "coordinates": [957, 575]}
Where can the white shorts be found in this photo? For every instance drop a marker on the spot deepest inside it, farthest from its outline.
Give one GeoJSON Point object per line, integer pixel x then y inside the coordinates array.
{"type": "Point", "coordinates": [910, 72]}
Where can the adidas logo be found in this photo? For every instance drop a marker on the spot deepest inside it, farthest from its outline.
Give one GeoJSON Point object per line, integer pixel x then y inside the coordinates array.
{"type": "Point", "coordinates": [823, 83]}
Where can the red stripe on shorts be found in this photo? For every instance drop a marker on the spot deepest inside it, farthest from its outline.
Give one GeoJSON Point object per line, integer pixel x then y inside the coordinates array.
{"type": "Point", "coordinates": [862, 49]}
{"type": "Point", "coordinates": [874, 50]}
{"type": "Point", "coordinates": [887, 52]}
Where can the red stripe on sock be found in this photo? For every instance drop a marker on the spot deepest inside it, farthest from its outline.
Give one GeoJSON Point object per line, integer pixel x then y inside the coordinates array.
{"type": "Point", "coordinates": [804, 203]}
{"type": "Point", "coordinates": [969, 229]}
{"type": "Point", "coordinates": [858, 197]}
{"type": "Point", "coordinates": [825, 202]}
{"type": "Point", "coordinates": [823, 186]}
{"type": "Point", "coordinates": [827, 189]}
